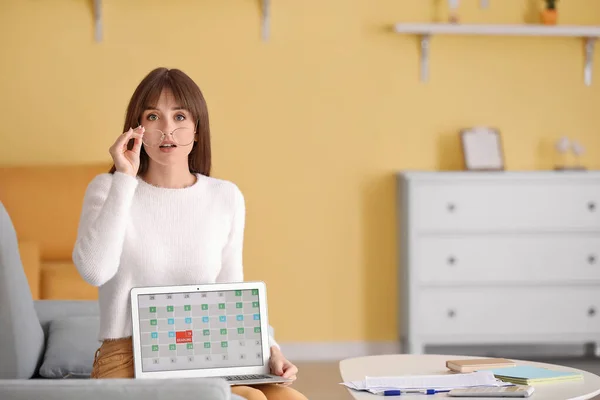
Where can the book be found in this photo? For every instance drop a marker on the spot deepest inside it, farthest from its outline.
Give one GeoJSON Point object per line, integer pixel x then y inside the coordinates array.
{"type": "Point", "coordinates": [528, 375]}
{"type": "Point", "coordinates": [477, 364]}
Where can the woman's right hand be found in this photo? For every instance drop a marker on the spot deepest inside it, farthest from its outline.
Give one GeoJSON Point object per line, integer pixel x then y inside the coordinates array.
{"type": "Point", "coordinates": [127, 161]}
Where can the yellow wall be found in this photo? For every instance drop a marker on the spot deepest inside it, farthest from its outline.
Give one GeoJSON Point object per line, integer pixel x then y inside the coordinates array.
{"type": "Point", "coordinates": [311, 125]}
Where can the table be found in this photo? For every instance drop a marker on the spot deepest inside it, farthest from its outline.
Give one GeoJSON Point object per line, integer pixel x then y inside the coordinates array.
{"type": "Point", "coordinates": [354, 369]}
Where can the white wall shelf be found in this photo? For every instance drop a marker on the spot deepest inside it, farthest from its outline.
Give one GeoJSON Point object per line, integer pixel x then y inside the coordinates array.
{"type": "Point", "coordinates": [426, 30]}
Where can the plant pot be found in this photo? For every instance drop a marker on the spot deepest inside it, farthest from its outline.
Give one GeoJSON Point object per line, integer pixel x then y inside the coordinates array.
{"type": "Point", "coordinates": [549, 16]}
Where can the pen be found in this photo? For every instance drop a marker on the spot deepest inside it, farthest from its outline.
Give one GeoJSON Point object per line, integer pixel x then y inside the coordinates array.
{"type": "Point", "coordinates": [421, 391]}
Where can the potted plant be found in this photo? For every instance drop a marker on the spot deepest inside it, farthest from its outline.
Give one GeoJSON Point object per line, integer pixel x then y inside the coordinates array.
{"type": "Point", "coordinates": [549, 14]}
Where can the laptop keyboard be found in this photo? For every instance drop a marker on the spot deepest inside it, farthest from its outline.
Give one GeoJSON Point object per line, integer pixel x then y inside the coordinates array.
{"type": "Point", "coordinates": [245, 377]}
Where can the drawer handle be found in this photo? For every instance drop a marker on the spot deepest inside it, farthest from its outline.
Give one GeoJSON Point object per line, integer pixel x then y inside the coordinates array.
{"type": "Point", "coordinates": [451, 260]}
{"type": "Point", "coordinates": [591, 206]}
{"type": "Point", "coordinates": [592, 259]}
{"type": "Point", "coordinates": [451, 207]}
{"type": "Point", "coordinates": [451, 313]}
{"type": "Point", "coordinates": [592, 311]}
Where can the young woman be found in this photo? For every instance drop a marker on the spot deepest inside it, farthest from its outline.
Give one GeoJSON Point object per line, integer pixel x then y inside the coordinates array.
{"type": "Point", "coordinates": [158, 218]}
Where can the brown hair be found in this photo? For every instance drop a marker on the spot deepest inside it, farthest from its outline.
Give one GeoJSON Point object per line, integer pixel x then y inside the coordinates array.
{"type": "Point", "coordinates": [189, 96]}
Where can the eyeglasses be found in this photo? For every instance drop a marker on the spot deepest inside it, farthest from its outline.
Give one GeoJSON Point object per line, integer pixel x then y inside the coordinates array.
{"type": "Point", "coordinates": [181, 136]}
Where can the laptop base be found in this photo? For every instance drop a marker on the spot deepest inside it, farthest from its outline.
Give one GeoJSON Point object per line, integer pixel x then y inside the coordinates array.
{"type": "Point", "coordinates": [237, 380]}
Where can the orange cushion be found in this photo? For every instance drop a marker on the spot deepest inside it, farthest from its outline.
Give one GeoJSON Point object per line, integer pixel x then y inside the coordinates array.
{"type": "Point", "coordinates": [63, 281]}
{"type": "Point", "coordinates": [44, 203]}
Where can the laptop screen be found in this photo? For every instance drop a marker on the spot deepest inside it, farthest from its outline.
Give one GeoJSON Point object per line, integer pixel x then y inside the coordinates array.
{"type": "Point", "coordinates": [199, 330]}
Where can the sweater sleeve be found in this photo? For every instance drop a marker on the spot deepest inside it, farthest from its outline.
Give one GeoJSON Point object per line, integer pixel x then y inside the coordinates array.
{"type": "Point", "coordinates": [272, 341]}
{"type": "Point", "coordinates": [102, 226]}
{"type": "Point", "coordinates": [232, 269]}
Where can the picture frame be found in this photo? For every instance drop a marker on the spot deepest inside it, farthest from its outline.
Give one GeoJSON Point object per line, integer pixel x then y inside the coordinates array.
{"type": "Point", "coordinates": [482, 149]}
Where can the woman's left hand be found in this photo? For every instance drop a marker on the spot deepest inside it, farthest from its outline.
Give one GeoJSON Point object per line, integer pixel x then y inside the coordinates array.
{"type": "Point", "coordinates": [281, 366]}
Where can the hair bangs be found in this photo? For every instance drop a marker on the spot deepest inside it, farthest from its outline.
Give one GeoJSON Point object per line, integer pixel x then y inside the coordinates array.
{"type": "Point", "coordinates": [181, 89]}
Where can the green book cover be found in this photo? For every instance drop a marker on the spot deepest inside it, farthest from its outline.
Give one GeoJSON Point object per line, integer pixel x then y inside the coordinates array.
{"type": "Point", "coordinates": [525, 375]}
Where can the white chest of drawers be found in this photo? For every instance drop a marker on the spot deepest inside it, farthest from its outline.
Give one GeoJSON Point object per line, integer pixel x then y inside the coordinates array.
{"type": "Point", "coordinates": [498, 258]}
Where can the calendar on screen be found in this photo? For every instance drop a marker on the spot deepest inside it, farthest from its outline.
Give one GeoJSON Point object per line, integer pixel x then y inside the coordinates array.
{"type": "Point", "coordinates": [200, 330]}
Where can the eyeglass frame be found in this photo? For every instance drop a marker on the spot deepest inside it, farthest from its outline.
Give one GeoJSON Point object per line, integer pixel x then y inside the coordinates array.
{"type": "Point", "coordinates": [164, 135]}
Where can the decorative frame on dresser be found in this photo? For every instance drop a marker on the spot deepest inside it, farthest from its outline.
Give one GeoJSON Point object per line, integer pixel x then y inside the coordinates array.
{"type": "Point", "coordinates": [498, 258]}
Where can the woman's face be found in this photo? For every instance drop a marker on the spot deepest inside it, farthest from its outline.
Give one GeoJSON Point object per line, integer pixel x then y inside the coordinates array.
{"type": "Point", "coordinates": [169, 131]}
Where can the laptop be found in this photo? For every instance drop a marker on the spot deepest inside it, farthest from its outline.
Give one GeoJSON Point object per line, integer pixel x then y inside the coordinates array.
{"type": "Point", "coordinates": [207, 330]}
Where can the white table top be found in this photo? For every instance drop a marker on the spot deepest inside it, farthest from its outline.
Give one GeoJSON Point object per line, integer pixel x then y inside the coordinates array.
{"type": "Point", "coordinates": [355, 369]}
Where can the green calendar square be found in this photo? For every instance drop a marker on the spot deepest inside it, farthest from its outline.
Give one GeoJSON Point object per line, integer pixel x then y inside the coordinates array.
{"type": "Point", "coordinates": [241, 331]}
{"type": "Point", "coordinates": [205, 306]}
{"type": "Point", "coordinates": [221, 306]}
{"type": "Point", "coordinates": [206, 332]}
{"type": "Point", "coordinates": [190, 346]}
{"type": "Point", "coordinates": [255, 304]}
{"type": "Point", "coordinates": [257, 329]}
{"type": "Point", "coordinates": [172, 347]}
{"type": "Point", "coordinates": [152, 309]}
{"type": "Point", "coordinates": [153, 322]}
{"type": "Point", "coordinates": [187, 308]}
{"type": "Point", "coordinates": [223, 331]}
{"type": "Point", "coordinates": [254, 292]}
{"type": "Point", "coordinates": [223, 344]}
{"type": "Point", "coordinates": [207, 345]}
{"type": "Point", "coordinates": [154, 347]}
{"type": "Point", "coordinates": [239, 305]}
{"type": "Point", "coordinates": [238, 293]}
{"type": "Point", "coordinates": [169, 308]}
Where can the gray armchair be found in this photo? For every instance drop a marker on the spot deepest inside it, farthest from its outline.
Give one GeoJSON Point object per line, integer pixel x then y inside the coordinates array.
{"type": "Point", "coordinates": [45, 345]}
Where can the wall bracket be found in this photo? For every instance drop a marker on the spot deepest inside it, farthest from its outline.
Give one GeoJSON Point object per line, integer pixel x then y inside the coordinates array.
{"type": "Point", "coordinates": [425, 50]}
{"type": "Point", "coordinates": [589, 60]}
{"type": "Point", "coordinates": [266, 19]}
{"type": "Point", "coordinates": [98, 31]}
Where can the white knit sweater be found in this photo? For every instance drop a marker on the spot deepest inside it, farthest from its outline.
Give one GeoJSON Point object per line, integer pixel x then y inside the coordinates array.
{"type": "Point", "coordinates": [133, 234]}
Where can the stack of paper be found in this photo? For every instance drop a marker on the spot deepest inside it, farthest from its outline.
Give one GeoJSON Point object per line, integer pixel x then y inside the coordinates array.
{"type": "Point", "coordinates": [425, 382]}
{"type": "Point", "coordinates": [528, 375]}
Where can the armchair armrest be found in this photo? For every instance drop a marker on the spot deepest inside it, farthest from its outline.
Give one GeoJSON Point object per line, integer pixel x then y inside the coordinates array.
{"type": "Point", "coordinates": [115, 389]}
